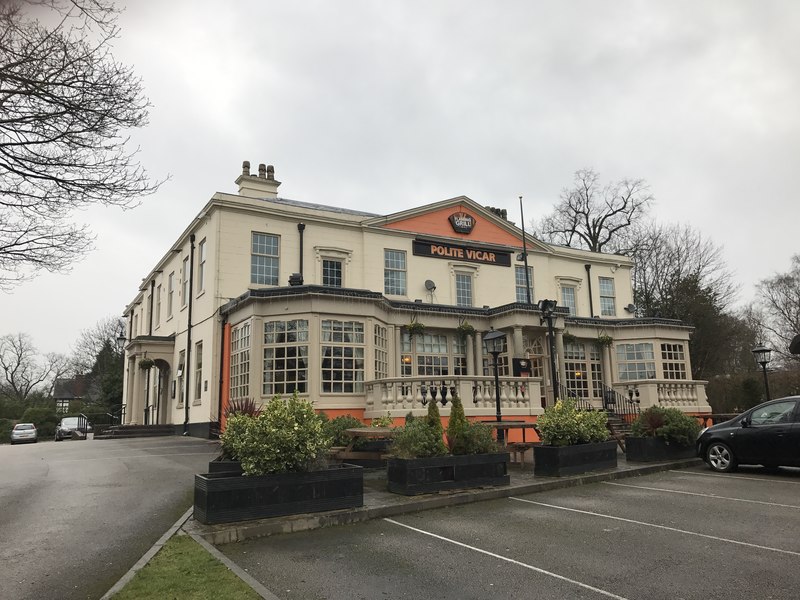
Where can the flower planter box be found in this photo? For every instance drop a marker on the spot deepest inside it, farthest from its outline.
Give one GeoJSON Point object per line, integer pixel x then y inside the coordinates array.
{"type": "Point", "coordinates": [226, 497]}
{"type": "Point", "coordinates": [225, 466]}
{"type": "Point", "coordinates": [652, 449]}
{"type": "Point", "coordinates": [558, 461]}
{"type": "Point", "coordinates": [412, 476]}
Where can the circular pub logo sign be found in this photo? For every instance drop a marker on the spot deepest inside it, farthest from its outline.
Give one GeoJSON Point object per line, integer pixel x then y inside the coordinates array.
{"type": "Point", "coordinates": [462, 222]}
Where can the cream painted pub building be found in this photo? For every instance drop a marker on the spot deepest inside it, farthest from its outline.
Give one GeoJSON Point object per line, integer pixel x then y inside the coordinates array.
{"type": "Point", "coordinates": [372, 314]}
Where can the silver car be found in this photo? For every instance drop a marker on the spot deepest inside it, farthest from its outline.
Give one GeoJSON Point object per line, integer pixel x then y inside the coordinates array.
{"type": "Point", "coordinates": [24, 432]}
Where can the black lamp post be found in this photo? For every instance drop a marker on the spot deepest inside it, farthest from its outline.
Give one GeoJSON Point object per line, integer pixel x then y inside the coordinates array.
{"type": "Point", "coordinates": [493, 341]}
{"type": "Point", "coordinates": [762, 356]}
{"type": "Point", "coordinates": [121, 339]}
{"type": "Point", "coordinates": [547, 308]}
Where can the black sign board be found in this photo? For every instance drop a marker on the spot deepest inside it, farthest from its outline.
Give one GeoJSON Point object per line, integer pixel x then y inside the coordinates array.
{"type": "Point", "coordinates": [470, 253]}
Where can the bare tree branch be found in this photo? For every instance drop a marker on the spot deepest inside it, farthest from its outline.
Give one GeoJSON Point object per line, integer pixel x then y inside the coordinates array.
{"type": "Point", "coordinates": [65, 107]}
{"type": "Point", "coordinates": [596, 218]}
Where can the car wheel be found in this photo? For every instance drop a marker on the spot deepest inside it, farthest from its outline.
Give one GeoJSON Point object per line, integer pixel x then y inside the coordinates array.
{"type": "Point", "coordinates": [720, 458]}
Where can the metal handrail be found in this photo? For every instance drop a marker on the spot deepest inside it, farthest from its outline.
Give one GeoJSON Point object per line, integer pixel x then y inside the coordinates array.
{"type": "Point", "coordinates": [618, 404]}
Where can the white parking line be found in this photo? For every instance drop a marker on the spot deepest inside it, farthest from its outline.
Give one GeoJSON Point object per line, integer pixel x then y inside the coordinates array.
{"type": "Point", "coordinates": [129, 456]}
{"type": "Point", "coordinates": [655, 525]}
{"type": "Point", "coordinates": [734, 476]}
{"type": "Point", "coordinates": [510, 560]}
{"type": "Point", "coordinates": [641, 487]}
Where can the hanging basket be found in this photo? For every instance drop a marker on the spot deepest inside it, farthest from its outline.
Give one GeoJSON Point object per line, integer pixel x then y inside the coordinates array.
{"type": "Point", "coordinates": [415, 328]}
{"type": "Point", "coordinates": [146, 363]}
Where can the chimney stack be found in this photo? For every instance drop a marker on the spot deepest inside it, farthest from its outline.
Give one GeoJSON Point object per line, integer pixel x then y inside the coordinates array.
{"type": "Point", "coordinates": [262, 185]}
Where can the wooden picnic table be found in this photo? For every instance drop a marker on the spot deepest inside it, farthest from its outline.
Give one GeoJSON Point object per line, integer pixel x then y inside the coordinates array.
{"type": "Point", "coordinates": [369, 433]}
{"type": "Point", "coordinates": [516, 448]}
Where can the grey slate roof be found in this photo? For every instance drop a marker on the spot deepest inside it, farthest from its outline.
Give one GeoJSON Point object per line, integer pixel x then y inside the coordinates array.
{"type": "Point", "coordinates": [313, 206]}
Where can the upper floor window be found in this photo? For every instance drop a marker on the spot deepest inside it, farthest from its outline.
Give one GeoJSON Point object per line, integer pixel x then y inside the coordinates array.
{"type": "Point", "coordinates": [607, 297]}
{"type": "Point", "coordinates": [264, 259]}
{"type": "Point", "coordinates": [185, 288]}
{"type": "Point", "coordinates": [331, 273]}
{"type": "Point", "coordinates": [394, 272]}
{"type": "Point", "coordinates": [568, 299]}
{"type": "Point", "coordinates": [463, 289]}
{"type": "Point", "coordinates": [636, 361]}
{"type": "Point", "coordinates": [381, 343]}
{"type": "Point", "coordinates": [158, 305]}
{"type": "Point", "coordinates": [522, 285]}
{"type": "Point", "coordinates": [201, 267]}
{"type": "Point", "coordinates": [170, 293]}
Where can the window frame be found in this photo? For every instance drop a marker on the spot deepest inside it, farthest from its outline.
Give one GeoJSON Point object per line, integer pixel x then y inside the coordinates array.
{"type": "Point", "coordinates": [390, 268]}
{"type": "Point", "coordinates": [202, 251]}
{"type": "Point", "coordinates": [285, 341]}
{"type": "Point", "coordinates": [185, 282]}
{"type": "Point", "coordinates": [519, 283]}
{"type": "Point", "coordinates": [606, 299]}
{"type": "Point", "coordinates": [272, 262]}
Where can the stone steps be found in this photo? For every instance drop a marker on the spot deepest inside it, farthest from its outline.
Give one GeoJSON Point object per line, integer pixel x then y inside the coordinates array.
{"type": "Point", "coordinates": [134, 431]}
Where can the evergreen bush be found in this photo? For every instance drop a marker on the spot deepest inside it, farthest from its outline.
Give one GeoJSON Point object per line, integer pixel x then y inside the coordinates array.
{"type": "Point", "coordinates": [335, 429]}
{"type": "Point", "coordinates": [44, 418]}
{"type": "Point", "coordinates": [464, 437]}
{"type": "Point", "coordinates": [564, 425]}
{"type": "Point", "coordinates": [670, 424]}
{"type": "Point", "coordinates": [6, 425]}
{"type": "Point", "coordinates": [418, 440]}
{"type": "Point", "coordinates": [288, 436]}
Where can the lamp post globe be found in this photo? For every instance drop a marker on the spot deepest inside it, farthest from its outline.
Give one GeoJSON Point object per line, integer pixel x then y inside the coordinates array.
{"type": "Point", "coordinates": [763, 355]}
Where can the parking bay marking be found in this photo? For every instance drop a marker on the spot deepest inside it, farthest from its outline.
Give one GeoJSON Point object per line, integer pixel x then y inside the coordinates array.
{"type": "Point", "coordinates": [641, 487]}
{"type": "Point", "coordinates": [510, 560]}
{"type": "Point", "coordinates": [733, 476]}
{"type": "Point", "coordinates": [657, 526]}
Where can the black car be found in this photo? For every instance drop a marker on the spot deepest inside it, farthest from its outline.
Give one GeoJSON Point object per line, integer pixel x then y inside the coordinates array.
{"type": "Point", "coordinates": [767, 435]}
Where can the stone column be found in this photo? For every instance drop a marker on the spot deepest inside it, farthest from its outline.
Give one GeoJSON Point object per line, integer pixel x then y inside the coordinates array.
{"type": "Point", "coordinates": [560, 360]}
{"type": "Point", "coordinates": [135, 404]}
{"type": "Point", "coordinates": [471, 354]}
{"type": "Point", "coordinates": [478, 353]}
{"type": "Point", "coordinates": [519, 347]}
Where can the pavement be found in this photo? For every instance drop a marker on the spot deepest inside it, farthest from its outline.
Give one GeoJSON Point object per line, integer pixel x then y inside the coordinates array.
{"type": "Point", "coordinates": [380, 503]}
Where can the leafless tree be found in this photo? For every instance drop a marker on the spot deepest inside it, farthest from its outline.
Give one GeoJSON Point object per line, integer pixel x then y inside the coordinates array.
{"type": "Point", "coordinates": [781, 298]}
{"type": "Point", "coordinates": [65, 107]}
{"type": "Point", "coordinates": [23, 371]}
{"type": "Point", "coordinates": [595, 217]}
{"type": "Point", "coordinates": [665, 255]}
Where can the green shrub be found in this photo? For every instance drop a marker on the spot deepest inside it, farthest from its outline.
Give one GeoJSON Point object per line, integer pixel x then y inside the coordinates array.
{"type": "Point", "coordinates": [418, 439]}
{"type": "Point", "coordinates": [44, 418]}
{"type": "Point", "coordinates": [6, 425]}
{"type": "Point", "coordinates": [670, 424]}
{"type": "Point", "coordinates": [433, 418]}
{"type": "Point", "coordinates": [335, 429]}
{"type": "Point", "coordinates": [288, 436]}
{"type": "Point", "coordinates": [464, 437]}
{"type": "Point", "coordinates": [564, 425]}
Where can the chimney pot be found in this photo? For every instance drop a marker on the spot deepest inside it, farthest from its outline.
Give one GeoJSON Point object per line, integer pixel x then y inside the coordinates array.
{"type": "Point", "coordinates": [246, 167]}
{"type": "Point", "coordinates": [270, 172]}
{"type": "Point", "coordinates": [262, 170]}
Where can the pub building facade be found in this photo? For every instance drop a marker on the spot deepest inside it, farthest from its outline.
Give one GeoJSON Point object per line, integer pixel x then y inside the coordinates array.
{"type": "Point", "coordinates": [369, 315]}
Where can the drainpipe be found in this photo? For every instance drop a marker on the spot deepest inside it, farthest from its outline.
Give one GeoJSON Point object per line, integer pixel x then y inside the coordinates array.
{"type": "Point", "coordinates": [301, 227]}
{"type": "Point", "coordinates": [221, 372]}
{"type": "Point", "coordinates": [589, 279]}
{"type": "Point", "coordinates": [187, 366]}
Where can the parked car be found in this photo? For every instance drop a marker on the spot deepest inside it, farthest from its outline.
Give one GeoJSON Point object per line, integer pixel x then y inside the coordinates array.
{"type": "Point", "coordinates": [69, 424]}
{"type": "Point", "coordinates": [768, 435]}
{"type": "Point", "coordinates": [24, 432]}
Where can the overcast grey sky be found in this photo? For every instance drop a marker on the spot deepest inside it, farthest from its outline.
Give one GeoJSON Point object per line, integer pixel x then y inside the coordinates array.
{"type": "Point", "coordinates": [385, 105]}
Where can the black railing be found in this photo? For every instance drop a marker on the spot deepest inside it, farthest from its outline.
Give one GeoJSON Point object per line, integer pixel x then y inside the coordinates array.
{"type": "Point", "coordinates": [581, 401]}
{"type": "Point", "coordinates": [624, 407]}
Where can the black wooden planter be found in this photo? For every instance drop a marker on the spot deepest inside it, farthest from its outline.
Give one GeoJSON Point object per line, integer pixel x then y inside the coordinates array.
{"type": "Point", "coordinates": [558, 461]}
{"type": "Point", "coordinates": [225, 466]}
{"type": "Point", "coordinates": [225, 497]}
{"type": "Point", "coordinates": [412, 476]}
{"type": "Point", "coordinates": [653, 449]}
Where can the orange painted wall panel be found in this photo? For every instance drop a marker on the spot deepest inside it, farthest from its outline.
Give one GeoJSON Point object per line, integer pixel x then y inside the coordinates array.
{"type": "Point", "coordinates": [437, 224]}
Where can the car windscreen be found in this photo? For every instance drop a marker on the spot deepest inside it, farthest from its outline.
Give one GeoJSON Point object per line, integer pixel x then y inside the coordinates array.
{"type": "Point", "coordinates": [21, 426]}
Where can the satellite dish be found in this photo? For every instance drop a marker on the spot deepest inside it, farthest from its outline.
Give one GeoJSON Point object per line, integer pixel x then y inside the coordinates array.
{"type": "Point", "coordinates": [631, 308]}
{"type": "Point", "coordinates": [429, 285]}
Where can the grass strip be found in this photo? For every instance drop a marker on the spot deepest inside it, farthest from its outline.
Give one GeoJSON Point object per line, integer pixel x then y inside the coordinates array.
{"type": "Point", "coordinates": [183, 569]}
